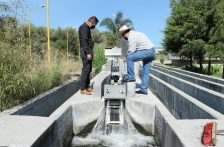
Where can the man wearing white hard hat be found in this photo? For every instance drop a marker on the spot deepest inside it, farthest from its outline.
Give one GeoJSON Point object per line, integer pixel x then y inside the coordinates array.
{"type": "Point", "coordinates": [140, 48]}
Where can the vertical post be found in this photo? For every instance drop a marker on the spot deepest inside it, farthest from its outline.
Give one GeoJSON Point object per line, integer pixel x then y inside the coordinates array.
{"type": "Point", "coordinates": [67, 44]}
{"type": "Point", "coordinates": [48, 34]}
{"type": "Point", "coordinates": [29, 31]}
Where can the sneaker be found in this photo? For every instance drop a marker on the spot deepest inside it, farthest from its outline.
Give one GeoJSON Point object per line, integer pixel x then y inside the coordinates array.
{"type": "Point", "coordinates": [86, 92]}
{"type": "Point", "coordinates": [141, 92]}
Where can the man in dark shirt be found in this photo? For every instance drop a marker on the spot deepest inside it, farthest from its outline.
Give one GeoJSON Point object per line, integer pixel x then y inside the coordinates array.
{"type": "Point", "coordinates": [86, 53]}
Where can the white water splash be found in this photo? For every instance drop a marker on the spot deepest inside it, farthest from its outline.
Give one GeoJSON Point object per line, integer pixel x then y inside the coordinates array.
{"type": "Point", "coordinates": [123, 135]}
{"type": "Point", "coordinates": [114, 140]}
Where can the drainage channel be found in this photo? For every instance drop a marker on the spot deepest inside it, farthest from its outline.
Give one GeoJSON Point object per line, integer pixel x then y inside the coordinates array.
{"type": "Point", "coordinates": [114, 128]}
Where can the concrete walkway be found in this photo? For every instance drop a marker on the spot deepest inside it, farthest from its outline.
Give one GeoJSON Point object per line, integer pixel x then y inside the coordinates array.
{"type": "Point", "coordinates": [22, 131]}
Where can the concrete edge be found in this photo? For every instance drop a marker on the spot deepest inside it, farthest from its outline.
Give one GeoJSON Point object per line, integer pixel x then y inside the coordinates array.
{"type": "Point", "coordinates": [85, 113]}
{"type": "Point", "coordinates": [147, 122]}
{"type": "Point", "coordinates": [24, 108]}
{"type": "Point", "coordinates": [194, 101]}
{"type": "Point", "coordinates": [59, 133]}
{"type": "Point", "coordinates": [193, 73]}
{"type": "Point", "coordinates": [101, 78]}
{"type": "Point", "coordinates": [182, 74]}
{"type": "Point", "coordinates": [192, 84]}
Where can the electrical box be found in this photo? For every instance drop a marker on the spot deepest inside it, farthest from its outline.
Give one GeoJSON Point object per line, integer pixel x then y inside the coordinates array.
{"type": "Point", "coordinates": [115, 91]}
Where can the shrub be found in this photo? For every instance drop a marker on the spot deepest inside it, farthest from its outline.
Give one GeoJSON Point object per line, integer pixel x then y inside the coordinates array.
{"type": "Point", "coordinates": [161, 59]}
{"type": "Point", "coordinates": [216, 68]}
{"type": "Point", "coordinates": [195, 69]}
{"type": "Point", "coordinates": [99, 58]}
{"type": "Point", "coordinates": [21, 80]}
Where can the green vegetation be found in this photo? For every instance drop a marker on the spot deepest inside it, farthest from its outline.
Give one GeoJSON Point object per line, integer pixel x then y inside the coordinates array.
{"type": "Point", "coordinates": [23, 76]}
{"type": "Point", "coordinates": [195, 31]}
{"type": "Point", "coordinates": [99, 58]}
{"type": "Point", "coordinates": [218, 73]}
{"type": "Point", "coordinates": [110, 38]}
{"type": "Point", "coordinates": [216, 70]}
{"type": "Point", "coordinates": [161, 56]}
{"type": "Point", "coordinates": [113, 24]}
{"type": "Point", "coordinates": [25, 73]}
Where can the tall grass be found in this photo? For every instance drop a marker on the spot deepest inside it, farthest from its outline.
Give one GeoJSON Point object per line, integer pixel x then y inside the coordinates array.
{"type": "Point", "coordinates": [46, 77]}
{"type": "Point", "coordinates": [15, 65]}
{"type": "Point", "coordinates": [99, 58]}
{"type": "Point", "coordinates": [21, 79]}
{"type": "Point", "coordinates": [217, 71]}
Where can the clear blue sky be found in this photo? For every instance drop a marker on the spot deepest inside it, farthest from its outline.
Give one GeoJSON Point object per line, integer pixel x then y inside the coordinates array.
{"type": "Point", "coordinates": [148, 16]}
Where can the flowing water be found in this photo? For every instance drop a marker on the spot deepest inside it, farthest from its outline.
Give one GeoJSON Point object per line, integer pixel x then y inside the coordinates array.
{"type": "Point", "coordinates": [114, 135]}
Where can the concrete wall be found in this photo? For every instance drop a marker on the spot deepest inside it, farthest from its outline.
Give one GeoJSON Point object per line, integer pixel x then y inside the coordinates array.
{"type": "Point", "coordinates": [46, 103]}
{"type": "Point", "coordinates": [202, 82]}
{"type": "Point", "coordinates": [99, 81]}
{"type": "Point", "coordinates": [211, 98]}
{"type": "Point", "coordinates": [180, 63]}
{"type": "Point", "coordinates": [170, 132]}
{"type": "Point", "coordinates": [164, 136]}
{"type": "Point", "coordinates": [85, 112]}
{"type": "Point", "coordinates": [60, 108]}
{"type": "Point", "coordinates": [180, 104]}
{"type": "Point", "coordinates": [59, 134]}
{"type": "Point", "coordinates": [136, 108]}
{"type": "Point", "coordinates": [69, 120]}
{"type": "Point", "coordinates": [206, 77]}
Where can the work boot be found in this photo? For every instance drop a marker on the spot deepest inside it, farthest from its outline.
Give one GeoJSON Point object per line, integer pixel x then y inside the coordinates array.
{"type": "Point", "coordinates": [90, 90]}
{"type": "Point", "coordinates": [86, 92]}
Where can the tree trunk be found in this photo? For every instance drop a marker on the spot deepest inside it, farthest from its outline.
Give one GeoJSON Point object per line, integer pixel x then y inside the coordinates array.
{"type": "Point", "coordinates": [223, 71]}
{"type": "Point", "coordinates": [200, 62]}
{"type": "Point", "coordinates": [209, 66]}
{"type": "Point", "coordinates": [191, 61]}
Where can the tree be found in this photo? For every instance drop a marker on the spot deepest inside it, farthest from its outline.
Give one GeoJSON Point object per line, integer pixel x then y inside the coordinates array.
{"type": "Point", "coordinates": [113, 25]}
{"type": "Point", "coordinates": [217, 32]}
{"type": "Point", "coordinates": [187, 29]}
{"type": "Point", "coordinates": [97, 36]}
{"type": "Point", "coordinates": [174, 32]}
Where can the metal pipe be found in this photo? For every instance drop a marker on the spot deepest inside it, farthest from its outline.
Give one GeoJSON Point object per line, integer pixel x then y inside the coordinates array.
{"type": "Point", "coordinates": [48, 32]}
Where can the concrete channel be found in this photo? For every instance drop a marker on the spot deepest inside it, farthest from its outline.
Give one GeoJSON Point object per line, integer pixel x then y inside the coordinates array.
{"type": "Point", "coordinates": [209, 97]}
{"type": "Point", "coordinates": [175, 118]}
{"type": "Point", "coordinates": [197, 75]}
{"type": "Point", "coordinates": [202, 82]}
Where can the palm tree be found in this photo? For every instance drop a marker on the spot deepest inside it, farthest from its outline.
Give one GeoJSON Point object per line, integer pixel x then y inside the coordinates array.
{"type": "Point", "coordinates": [113, 25]}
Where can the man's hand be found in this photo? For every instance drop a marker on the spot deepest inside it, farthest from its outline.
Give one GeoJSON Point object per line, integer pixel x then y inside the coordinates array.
{"type": "Point", "coordinates": [89, 57]}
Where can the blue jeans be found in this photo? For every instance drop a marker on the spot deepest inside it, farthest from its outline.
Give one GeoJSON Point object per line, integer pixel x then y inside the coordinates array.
{"type": "Point", "coordinates": [146, 56]}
